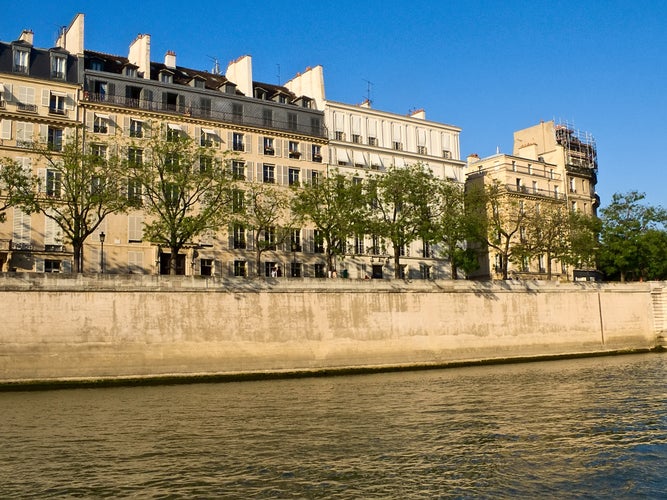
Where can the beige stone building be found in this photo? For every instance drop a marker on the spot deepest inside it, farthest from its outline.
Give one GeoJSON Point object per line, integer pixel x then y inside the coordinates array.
{"type": "Point", "coordinates": [362, 141]}
{"type": "Point", "coordinates": [552, 164]}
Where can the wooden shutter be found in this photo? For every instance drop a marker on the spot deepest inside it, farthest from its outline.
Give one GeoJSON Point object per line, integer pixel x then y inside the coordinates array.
{"type": "Point", "coordinates": [6, 129]}
{"type": "Point", "coordinates": [46, 97]}
{"type": "Point", "coordinates": [21, 230]}
{"type": "Point", "coordinates": [250, 171]}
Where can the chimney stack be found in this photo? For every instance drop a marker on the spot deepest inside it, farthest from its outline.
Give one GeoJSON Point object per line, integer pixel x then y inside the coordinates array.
{"type": "Point", "coordinates": [170, 59]}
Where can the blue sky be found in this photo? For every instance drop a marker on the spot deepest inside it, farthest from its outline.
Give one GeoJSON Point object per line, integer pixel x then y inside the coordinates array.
{"type": "Point", "coordinates": [489, 67]}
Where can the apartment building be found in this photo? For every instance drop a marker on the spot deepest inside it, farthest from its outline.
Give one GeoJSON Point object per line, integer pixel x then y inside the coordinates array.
{"type": "Point", "coordinates": [552, 164]}
{"type": "Point", "coordinates": [38, 106]}
{"type": "Point", "coordinates": [277, 137]}
{"type": "Point", "coordinates": [365, 141]}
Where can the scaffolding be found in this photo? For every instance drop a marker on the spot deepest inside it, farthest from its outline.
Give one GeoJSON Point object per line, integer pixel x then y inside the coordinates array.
{"type": "Point", "coordinates": [580, 148]}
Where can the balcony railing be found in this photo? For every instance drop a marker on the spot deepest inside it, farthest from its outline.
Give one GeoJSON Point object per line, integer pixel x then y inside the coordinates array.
{"type": "Point", "coordinates": [206, 113]}
{"type": "Point", "coordinates": [543, 193]}
{"type": "Point", "coordinates": [30, 108]}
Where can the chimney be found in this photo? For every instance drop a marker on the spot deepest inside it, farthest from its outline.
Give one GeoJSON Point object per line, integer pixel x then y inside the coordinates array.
{"type": "Point", "coordinates": [240, 73]}
{"type": "Point", "coordinates": [71, 38]}
{"type": "Point", "coordinates": [27, 36]}
{"type": "Point", "coordinates": [140, 54]}
{"type": "Point", "coordinates": [310, 83]}
{"type": "Point", "coordinates": [170, 59]}
{"type": "Point", "coordinates": [472, 158]}
{"type": "Point", "coordinates": [418, 113]}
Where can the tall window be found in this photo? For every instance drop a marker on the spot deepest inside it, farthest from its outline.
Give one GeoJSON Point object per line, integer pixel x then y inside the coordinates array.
{"type": "Point", "coordinates": [238, 170]}
{"type": "Point", "coordinates": [318, 241]}
{"type": "Point", "coordinates": [269, 172]}
{"type": "Point", "coordinates": [98, 150]}
{"type": "Point", "coordinates": [292, 121]}
{"type": "Point", "coordinates": [173, 133]}
{"type": "Point", "coordinates": [237, 142]}
{"type": "Point", "coordinates": [240, 268]}
{"type": "Point", "coordinates": [268, 146]}
{"type": "Point", "coordinates": [294, 149]}
{"type": "Point", "coordinates": [317, 152]}
{"type": "Point", "coordinates": [293, 176]}
{"type": "Point", "coordinates": [267, 117]}
{"type": "Point", "coordinates": [270, 238]}
{"type": "Point", "coordinates": [136, 128]}
{"type": "Point", "coordinates": [135, 156]}
{"type": "Point", "coordinates": [295, 240]}
{"type": "Point", "coordinates": [239, 237]}
{"type": "Point", "coordinates": [21, 60]}
{"type": "Point", "coordinates": [55, 139]}
{"type": "Point", "coordinates": [237, 112]}
{"type": "Point", "coordinates": [57, 104]}
{"type": "Point", "coordinates": [58, 64]}
{"type": "Point", "coordinates": [53, 183]}
{"type": "Point", "coordinates": [101, 124]}
{"type": "Point", "coordinates": [238, 200]}
{"type": "Point", "coordinates": [359, 244]}
{"type": "Point", "coordinates": [134, 190]}
{"type": "Point", "coordinates": [339, 135]}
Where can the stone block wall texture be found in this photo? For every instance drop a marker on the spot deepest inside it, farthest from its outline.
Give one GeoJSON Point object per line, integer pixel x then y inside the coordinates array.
{"type": "Point", "coordinates": [105, 327]}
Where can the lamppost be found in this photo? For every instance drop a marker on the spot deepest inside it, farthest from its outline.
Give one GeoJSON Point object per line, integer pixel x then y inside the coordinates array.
{"type": "Point", "coordinates": [102, 237]}
{"type": "Point", "coordinates": [293, 273]}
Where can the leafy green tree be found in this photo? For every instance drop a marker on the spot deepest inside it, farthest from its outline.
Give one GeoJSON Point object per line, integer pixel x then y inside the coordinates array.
{"type": "Point", "coordinates": [583, 230]}
{"type": "Point", "coordinates": [400, 202]}
{"type": "Point", "coordinates": [495, 218]}
{"type": "Point", "coordinates": [264, 209]}
{"type": "Point", "coordinates": [14, 180]}
{"type": "Point", "coordinates": [187, 191]}
{"type": "Point", "coordinates": [628, 233]}
{"type": "Point", "coordinates": [78, 190]}
{"type": "Point", "coordinates": [335, 206]}
{"type": "Point", "coordinates": [449, 226]}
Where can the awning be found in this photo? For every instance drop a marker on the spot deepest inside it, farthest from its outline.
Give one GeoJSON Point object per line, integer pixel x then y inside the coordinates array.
{"type": "Point", "coordinates": [100, 115]}
{"type": "Point", "coordinates": [2, 87]}
{"type": "Point", "coordinates": [342, 156]}
{"type": "Point", "coordinates": [59, 94]}
{"type": "Point", "coordinates": [359, 158]}
{"type": "Point", "coordinates": [209, 131]}
{"type": "Point", "coordinates": [173, 126]}
{"type": "Point", "coordinates": [376, 160]}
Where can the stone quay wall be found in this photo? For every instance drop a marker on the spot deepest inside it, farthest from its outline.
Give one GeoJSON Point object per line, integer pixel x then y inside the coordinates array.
{"type": "Point", "coordinates": [96, 328]}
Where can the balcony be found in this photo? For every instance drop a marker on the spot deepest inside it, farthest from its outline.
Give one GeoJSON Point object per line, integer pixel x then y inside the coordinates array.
{"type": "Point", "coordinates": [542, 193]}
{"type": "Point", "coordinates": [249, 119]}
{"type": "Point", "coordinates": [28, 108]}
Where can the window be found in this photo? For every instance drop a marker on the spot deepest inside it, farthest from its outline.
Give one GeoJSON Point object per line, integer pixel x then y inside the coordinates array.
{"type": "Point", "coordinates": [535, 190]}
{"type": "Point", "coordinates": [171, 162]}
{"type": "Point", "coordinates": [205, 107]}
{"type": "Point", "coordinates": [173, 133]}
{"type": "Point", "coordinates": [238, 170]}
{"type": "Point", "coordinates": [398, 146]}
{"type": "Point", "coordinates": [574, 206]}
{"type": "Point", "coordinates": [530, 169]}
{"type": "Point", "coordinates": [57, 103]}
{"type": "Point", "coordinates": [239, 241]}
{"type": "Point", "coordinates": [96, 65]}
{"type": "Point", "coordinates": [375, 245]}
{"type": "Point", "coordinates": [21, 60]}
{"type": "Point", "coordinates": [425, 271]}
{"type": "Point", "coordinates": [98, 150]}
{"type": "Point", "coordinates": [205, 163]}
{"type": "Point", "coordinates": [207, 138]}
{"type": "Point", "coordinates": [237, 112]}
{"type": "Point", "coordinates": [359, 244]}
{"type": "Point", "coordinates": [240, 268]}
{"type": "Point", "coordinates": [294, 150]}
{"type": "Point", "coordinates": [293, 176]}
{"type": "Point", "coordinates": [426, 249]}
{"type": "Point", "coordinates": [296, 269]}
{"type": "Point", "coordinates": [292, 121]}
{"type": "Point", "coordinates": [200, 84]}
{"type": "Point", "coordinates": [53, 183]}
{"type": "Point", "coordinates": [555, 191]}
{"type": "Point", "coordinates": [573, 185]}
{"type": "Point", "coordinates": [135, 156]}
{"type": "Point", "coordinates": [314, 177]}
{"type": "Point", "coordinates": [316, 125]}
{"type": "Point", "coordinates": [237, 142]}
{"type": "Point", "coordinates": [421, 150]}
{"type": "Point", "coordinates": [166, 77]}
{"type": "Point", "coordinates": [131, 71]}
{"type": "Point", "coordinates": [339, 135]}
{"type": "Point", "coordinates": [267, 117]}
{"type": "Point", "coordinates": [58, 65]}
{"type": "Point", "coordinates": [136, 128]}
{"type": "Point", "coordinates": [238, 200]}
{"type": "Point", "coordinates": [133, 96]}
{"type": "Point", "coordinates": [269, 172]}
{"type": "Point", "coordinates": [101, 124]}
{"type": "Point", "coordinates": [446, 154]}
{"type": "Point", "coordinates": [101, 90]}
{"type": "Point", "coordinates": [295, 240]}
{"type": "Point", "coordinates": [51, 266]}
{"type": "Point", "coordinates": [55, 139]}
{"type": "Point", "coordinates": [317, 153]}
{"type": "Point", "coordinates": [540, 263]}
{"type": "Point", "coordinates": [270, 238]}
{"type": "Point", "coordinates": [134, 190]}
{"type": "Point", "coordinates": [521, 207]}
{"type": "Point", "coordinates": [318, 241]}
{"type": "Point", "coordinates": [206, 267]}
{"type": "Point", "coordinates": [268, 146]}
{"type": "Point", "coordinates": [356, 138]}
{"type": "Point", "coordinates": [372, 141]}
{"type": "Point", "coordinates": [551, 173]}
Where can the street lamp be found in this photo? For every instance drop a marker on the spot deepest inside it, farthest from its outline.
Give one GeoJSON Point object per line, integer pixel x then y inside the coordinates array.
{"type": "Point", "coordinates": [102, 237]}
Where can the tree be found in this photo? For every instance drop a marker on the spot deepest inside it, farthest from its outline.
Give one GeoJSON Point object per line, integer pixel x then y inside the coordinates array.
{"type": "Point", "coordinates": [495, 218]}
{"type": "Point", "coordinates": [400, 203]}
{"type": "Point", "coordinates": [264, 210]}
{"type": "Point", "coordinates": [584, 231]}
{"type": "Point", "coordinates": [628, 231]}
{"type": "Point", "coordinates": [187, 192]}
{"type": "Point", "coordinates": [78, 189]}
{"type": "Point", "coordinates": [547, 234]}
{"type": "Point", "coordinates": [335, 206]}
{"type": "Point", "coordinates": [449, 225]}
{"type": "Point", "coordinates": [14, 180]}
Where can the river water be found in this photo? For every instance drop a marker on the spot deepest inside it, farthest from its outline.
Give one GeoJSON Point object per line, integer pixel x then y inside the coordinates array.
{"type": "Point", "coordinates": [593, 428]}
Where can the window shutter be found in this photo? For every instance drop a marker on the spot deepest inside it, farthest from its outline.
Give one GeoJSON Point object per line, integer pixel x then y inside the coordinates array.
{"type": "Point", "coordinates": [6, 129]}
{"type": "Point", "coordinates": [43, 132]}
{"type": "Point", "coordinates": [250, 171]}
{"type": "Point", "coordinates": [51, 231]}
{"type": "Point", "coordinates": [197, 136]}
{"type": "Point", "coordinates": [9, 97]}
{"type": "Point", "coordinates": [39, 265]}
{"type": "Point", "coordinates": [309, 152]}
{"type": "Point", "coordinates": [249, 239]}
{"type": "Point", "coordinates": [248, 143]}
{"type": "Point", "coordinates": [278, 149]}
{"type": "Point", "coordinates": [285, 171]}
{"type": "Point", "coordinates": [66, 266]}
{"type": "Point", "coordinates": [21, 231]}
{"type": "Point", "coordinates": [230, 237]}
{"type": "Point", "coordinates": [259, 177]}
{"type": "Point", "coordinates": [230, 140]}
{"type": "Point", "coordinates": [308, 244]}
{"type": "Point", "coordinates": [286, 149]}
{"type": "Point", "coordinates": [146, 128]}
{"type": "Point", "coordinates": [181, 102]}
{"type": "Point", "coordinates": [111, 88]}
{"type": "Point", "coordinates": [126, 126]}
{"type": "Point", "coordinates": [70, 101]}
{"type": "Point", "coordinates": [46, 97]}
{"type": "Point", "coordinates": [135, 228]}
{"type": "Point", "coordinates": [41, 175]}
{"type": "Point", "coordinates": [90, 120]}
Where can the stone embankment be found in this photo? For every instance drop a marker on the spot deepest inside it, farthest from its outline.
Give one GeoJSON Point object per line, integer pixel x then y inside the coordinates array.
{"type": "Point", "coordinates": [59, 329]}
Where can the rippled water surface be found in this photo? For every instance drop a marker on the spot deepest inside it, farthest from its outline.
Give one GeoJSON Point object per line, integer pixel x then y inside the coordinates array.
{"type": "Point", "coordinates": [593, 428]}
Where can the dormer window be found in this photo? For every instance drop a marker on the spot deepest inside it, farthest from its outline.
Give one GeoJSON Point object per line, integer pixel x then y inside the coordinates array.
{"type": "Point", "coordinates": [21, 60]}
{"type": "Point", "coordinates": [96, 65]}
{"type": "Point", "coordinates": [130, 71]}
{"type": "Point", "coordinates": [58, 66]}
{"type": "Point", "coordinates": [166, 77]}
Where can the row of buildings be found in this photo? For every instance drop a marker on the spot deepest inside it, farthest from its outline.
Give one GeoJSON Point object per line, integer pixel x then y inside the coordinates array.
{"type": "Point", "coordinates": [280, 134]}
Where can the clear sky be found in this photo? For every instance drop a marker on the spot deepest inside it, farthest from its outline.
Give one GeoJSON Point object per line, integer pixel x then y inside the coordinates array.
{"type": "Point", "coordinates": [490, 67]}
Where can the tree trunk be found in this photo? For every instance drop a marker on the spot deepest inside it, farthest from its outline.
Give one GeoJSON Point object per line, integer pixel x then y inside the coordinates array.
{"type": "Point", "coordinates": [78, 257]}
{"type": "Point", "coordinates": [549, 266]}
{"type": "Point", "coordinates": [397, 261]}
{"type": "Point", "coordinates": [173, 261]}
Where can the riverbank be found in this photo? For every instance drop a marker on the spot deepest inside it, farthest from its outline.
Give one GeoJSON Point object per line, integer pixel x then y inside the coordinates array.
{"type": "Point", "coordinates": [108, 330]}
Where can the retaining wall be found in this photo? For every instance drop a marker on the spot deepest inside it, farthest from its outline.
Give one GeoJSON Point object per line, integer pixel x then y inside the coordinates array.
{"type": "Point", "coordinates": [106, 327]}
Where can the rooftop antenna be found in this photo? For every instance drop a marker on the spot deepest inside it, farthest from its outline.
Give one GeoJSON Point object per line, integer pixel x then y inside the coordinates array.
{"type": "Point", "coordinates": [216, 65]}
{"type": "Point", "coordinates": [369, 85]}
{"type": "Point", "coordinates": [278, 73]}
